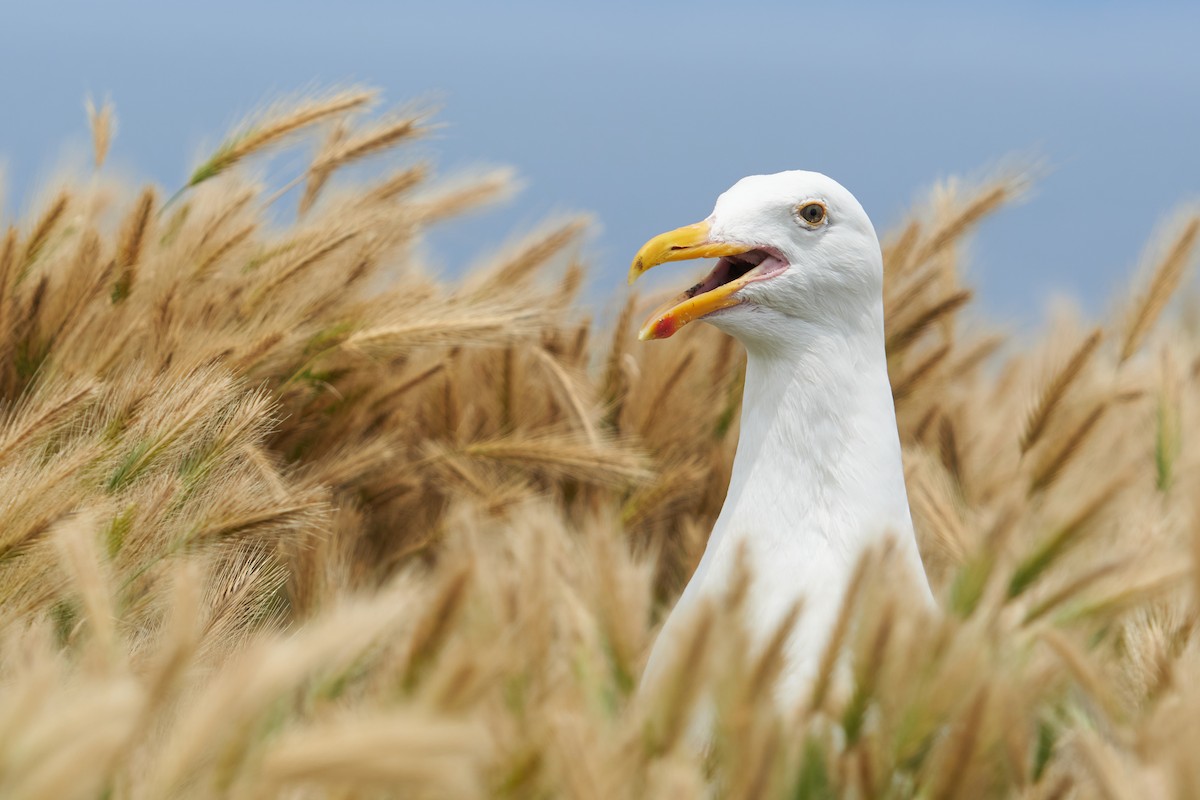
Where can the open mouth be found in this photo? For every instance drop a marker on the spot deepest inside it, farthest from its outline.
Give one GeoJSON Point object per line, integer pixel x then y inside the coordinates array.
{"type": "Point", "coordinates": [740, 264]}
{"type": "Point", "coordinates": [718, 291]}
{"type": "Point", "coordinates": [753, 265]}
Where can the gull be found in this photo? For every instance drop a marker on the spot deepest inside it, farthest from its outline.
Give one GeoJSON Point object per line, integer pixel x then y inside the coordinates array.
{"type": "Point", "coordinates": [817, 476]}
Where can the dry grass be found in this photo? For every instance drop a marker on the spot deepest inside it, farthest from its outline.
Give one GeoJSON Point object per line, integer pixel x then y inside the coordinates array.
{"type": "Point", "coordinates": [285, 516]}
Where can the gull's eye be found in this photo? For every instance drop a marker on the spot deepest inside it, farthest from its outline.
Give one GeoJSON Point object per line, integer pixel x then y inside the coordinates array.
{"type": "Point", "coordinates": [812, 213]}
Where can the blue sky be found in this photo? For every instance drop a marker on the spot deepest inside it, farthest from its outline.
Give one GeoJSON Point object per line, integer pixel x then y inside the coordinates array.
{"type": "Point", "coordinates": [642, 115]}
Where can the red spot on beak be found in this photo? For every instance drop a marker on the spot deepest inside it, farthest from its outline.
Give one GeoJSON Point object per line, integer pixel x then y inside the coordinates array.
{"type": "Point", "coordinates": [665, 328]}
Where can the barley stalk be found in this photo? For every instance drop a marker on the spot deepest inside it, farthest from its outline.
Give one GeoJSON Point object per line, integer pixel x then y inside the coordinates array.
{"type": "Point", "coordinates": [1055, 388]}
{"type": "Point", "coordinates": [1163, 282]}
{"type": "Point", "coordinates": [103, 124]}
{"type": "Point", "coordinates": [276, 128]}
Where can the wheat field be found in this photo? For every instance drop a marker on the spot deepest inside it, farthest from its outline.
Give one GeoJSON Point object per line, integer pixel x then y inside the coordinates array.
{"type": "Point", "coordinates": [285, 515]}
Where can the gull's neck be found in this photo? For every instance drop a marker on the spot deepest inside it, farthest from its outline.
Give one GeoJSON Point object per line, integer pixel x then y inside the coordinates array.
{"type": "Point", "coordinates": [817, 476]}
{"type": "Point", "coordinates": [818, 453]}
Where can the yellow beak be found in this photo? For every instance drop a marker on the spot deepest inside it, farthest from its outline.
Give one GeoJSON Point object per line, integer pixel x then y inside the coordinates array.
{"type": "Point", "coordinates": [684, 244]}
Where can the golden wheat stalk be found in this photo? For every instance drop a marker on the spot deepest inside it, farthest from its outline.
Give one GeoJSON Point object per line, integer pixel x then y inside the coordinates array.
{"type": "Point", "coordinates": [1056, 459]}
{"type": "Point", "coordinates": [341, 150]}
{"type": "Point", "coordinates": [1054, 390]}
{"type": "Point", "coordinates": [986, 201]}
{"type": "Point", "coordinates": [43, 228]}
{"type": "Point", "coordinates": [204, 266]}
{"type": "Point", "coordinates": [564, 456]}
{"type": "Point", "coordinates": [431, 630]}
{"type": "Point", "coordinates": [1084, 672]}
{"type": "Point", "coordinates": [896, 254]}
{"type": "Point", "coordinates": [961, 749]}
{"type": "Point", "coordinates": [276, 127]}
{"type": "Point", "coordinates": [394, 186]}
{"type": "Point", "coordinates": [129, 246]}
{"type": "Point", "coordinates": [383, 136]}
{"type": "Point", "coordinates": [923, 370]}
{"type": "Point", "coordinates": [313, 179]}
{"type": "Point", "coordinates": [463, 195]}
{"type": "Point", "coordinates": [570, 391]}
{"type": "Point", "coordinates": [515, 268]}
{"type": "Point", "coordinates": [1164, 280]}
{"type": "Point", "coordinates": [480, 326]}
{"type": "Point", "coordinates": [383, 752]}
{"type": "Point", "coordinates": [35, 422]}
{"type": "Point", "coordinates": [319, 250]}
{"type": "Point", "coordinates": [899, 339]}
{"type": "Point", "coordinates": [103, 124]}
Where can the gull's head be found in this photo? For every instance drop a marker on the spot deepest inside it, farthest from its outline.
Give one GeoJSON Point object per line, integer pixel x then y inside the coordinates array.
{"type": "Point", "coordinates": [794, 246]}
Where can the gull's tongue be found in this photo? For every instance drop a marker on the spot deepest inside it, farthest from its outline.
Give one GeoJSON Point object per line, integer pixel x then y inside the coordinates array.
{"type": "Point", "coordinates": [768, 262]}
